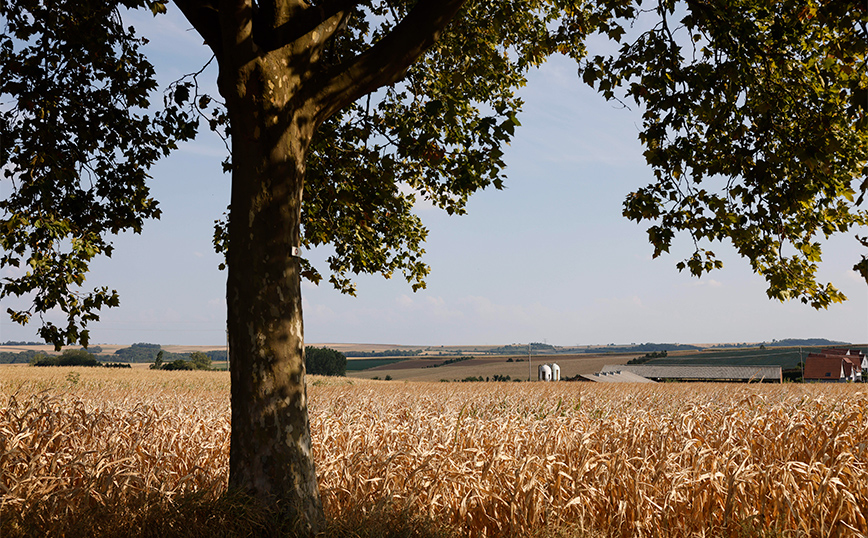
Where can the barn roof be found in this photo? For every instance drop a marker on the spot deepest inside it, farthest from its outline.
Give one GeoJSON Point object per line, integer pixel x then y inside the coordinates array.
{"type": "Point", "coordinates": [853, 353]}
{"type": "Point", "coordinates": [707, 373]}
{"type": "Point", "coordinates": [617, 377]}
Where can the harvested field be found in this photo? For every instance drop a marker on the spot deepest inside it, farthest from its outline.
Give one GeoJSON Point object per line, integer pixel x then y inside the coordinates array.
{"type": "Point", "coordinates": [432, 368]}
{"type": "Point", "coordinates": [492, 459]}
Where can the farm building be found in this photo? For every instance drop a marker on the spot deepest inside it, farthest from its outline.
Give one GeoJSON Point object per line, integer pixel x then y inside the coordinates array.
{"type": "Point", "coordinates": [616, 377]}
{"type": "Point", "coordinates": [835, 366]}
{"type": "Point", "coordinates": [549, 372]}
{"type": "Point", "coordinates": [741, 374]}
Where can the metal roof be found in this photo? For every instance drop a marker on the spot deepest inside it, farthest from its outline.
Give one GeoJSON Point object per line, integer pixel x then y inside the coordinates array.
{"type": "Point", "coordinates": [715, 373]}
{"type": "Point", "coordinates": [617, 377]}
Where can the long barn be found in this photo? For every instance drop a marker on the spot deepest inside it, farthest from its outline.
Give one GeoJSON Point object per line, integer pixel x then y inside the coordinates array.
{"type": "Point", "coordinates": [741, 374]}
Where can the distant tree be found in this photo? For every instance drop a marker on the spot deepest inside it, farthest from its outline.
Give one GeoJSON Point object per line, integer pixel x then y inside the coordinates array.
{"type": "Point", "coordinates": [200, 361]}
{"type": "Point", "coordinates": [217, 354]}
{"type": "Point", "coordinates": [23, 357]}
{"type": "Point", "coordinates": [178, 364]}
{"type": "Point", "coordinates": [70, 357]}
{"type": "Point", "coordinates": [324, 361]}
{"type": "Point", "coordinates": [41, 359]}
{"type": "Point", "coordinates": [386, 353]}
{"type": "Point", "coordinates": [158, 361]}
{"type": "Point", "coordinates": [138, 353]}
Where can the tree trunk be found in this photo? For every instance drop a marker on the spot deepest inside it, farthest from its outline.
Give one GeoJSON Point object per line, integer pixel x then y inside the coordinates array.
{"type": "Point", "coordinates": [270, 454]}
{"type": "Point", "coordinates": [276, 94]}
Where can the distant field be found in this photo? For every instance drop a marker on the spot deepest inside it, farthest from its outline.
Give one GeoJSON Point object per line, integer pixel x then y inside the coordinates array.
{"type": "Point", "coordinates": [354, 365]}
{"type": "Point", "coordinates": [785, 357]}
{"type": "Point", "coordinates": [432, 368]}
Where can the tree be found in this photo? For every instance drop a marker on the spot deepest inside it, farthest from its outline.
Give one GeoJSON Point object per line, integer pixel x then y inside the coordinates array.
{"type": "Point", "coordinates": [200, 361]}
{"type": "Point", "coordinates": [158, 361]}
{"type": "Point", "coordinates": [324, 361]}
{"type": "Point", "coordinates": [139, 352]}
{"type": "Point", "coordinates": [69, 357]}
{"type": "Point", "coordinates": [178, 364]}
{"type": "Point", "coordinates": [332, 107]}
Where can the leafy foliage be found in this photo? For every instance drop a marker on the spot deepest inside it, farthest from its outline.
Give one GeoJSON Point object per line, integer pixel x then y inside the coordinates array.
{"type": "Point", "coordinates": [23, 357]}
{"type": "Point", "coordinates": [755, 125]}
{"type": "Point", "coordinates": [518, 349]}
{"type": "Point", "coordinates": [324, 361]}
{"type": "Point", "coordinates": [386, 353]}
{"type": "Point", "coordinates": [178, 364]}
{"type": "Point", "coordinates": [140, 352]}
{"type": "Point", "coordinates": [437, 134]}
{"type": "Point", "coordinates": [200, 361]}
{"type": "Point", "coordinates": [69, 357]}
{"type": "Point", "coordinates": [196, 361]}
{"type": "Point", "coordinates": [76, 143]}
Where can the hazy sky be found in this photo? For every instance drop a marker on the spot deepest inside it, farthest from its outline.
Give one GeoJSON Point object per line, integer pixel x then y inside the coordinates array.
{"type": "Point", "coordinates": [550, 258]}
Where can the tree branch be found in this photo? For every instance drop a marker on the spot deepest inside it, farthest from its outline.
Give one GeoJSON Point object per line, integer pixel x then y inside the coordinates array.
{"type": "Point", "coordinates": [203, 16]}
{"type": "Point", "coordinates": [236, 25]}
{"type": "Point", "coordinates": [307, 20]}
{"type": "Point", "coordinates": [387, 61]}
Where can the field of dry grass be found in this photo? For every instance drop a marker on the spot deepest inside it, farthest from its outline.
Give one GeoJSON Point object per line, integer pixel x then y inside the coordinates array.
{"type": "Point", "coordinates": [489, 459]}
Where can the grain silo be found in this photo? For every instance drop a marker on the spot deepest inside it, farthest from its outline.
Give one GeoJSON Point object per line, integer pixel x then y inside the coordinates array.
{"type": "Point", "coordinates": [556, 372]}
{"type": "Point", "coordinates": [545, 372]}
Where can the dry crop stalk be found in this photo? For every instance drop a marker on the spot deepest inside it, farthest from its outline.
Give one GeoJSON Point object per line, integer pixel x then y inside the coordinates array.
{"type": "Point", "coordinates": [493, 459]}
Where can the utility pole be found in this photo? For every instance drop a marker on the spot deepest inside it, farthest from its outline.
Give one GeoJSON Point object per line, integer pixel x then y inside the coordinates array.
{"type": "Point", "coordinates": [528, 363]}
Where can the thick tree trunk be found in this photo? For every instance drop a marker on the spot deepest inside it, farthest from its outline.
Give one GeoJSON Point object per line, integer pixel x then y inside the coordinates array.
{"type": "Point", "coordinates": [276, 94]}
{"type": "Point", "coordinates": [270, 453]}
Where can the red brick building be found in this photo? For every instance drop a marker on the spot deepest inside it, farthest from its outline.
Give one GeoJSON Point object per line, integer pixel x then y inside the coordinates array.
{"type": "Point", "coordinates": [835, 366]}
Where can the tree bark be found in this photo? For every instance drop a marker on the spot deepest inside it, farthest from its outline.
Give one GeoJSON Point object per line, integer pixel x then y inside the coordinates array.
{"type": "Point", "coordinates": [270, 450]}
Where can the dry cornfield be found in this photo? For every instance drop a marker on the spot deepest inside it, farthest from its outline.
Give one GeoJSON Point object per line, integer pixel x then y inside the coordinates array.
{"type": "Point", "coordinates": [492, 459]}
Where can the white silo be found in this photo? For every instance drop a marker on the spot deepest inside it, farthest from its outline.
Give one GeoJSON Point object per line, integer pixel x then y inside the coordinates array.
{"type": "Point", "coordinates": [545, 372]}
{"type": "Point", "coordinates": [556, 372]}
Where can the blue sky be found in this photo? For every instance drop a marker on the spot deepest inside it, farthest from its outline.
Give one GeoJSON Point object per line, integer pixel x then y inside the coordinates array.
{"type": "Point", "coordinates": [550, 258]}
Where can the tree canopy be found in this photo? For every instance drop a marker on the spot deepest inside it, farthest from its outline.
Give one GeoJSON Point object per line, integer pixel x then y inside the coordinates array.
{"type": "Point", "coordinates": [325, 361]}
{"type": "Point", "coordinates": [76, 143]}
{"type": "Point", "coordinates": [754, 124]}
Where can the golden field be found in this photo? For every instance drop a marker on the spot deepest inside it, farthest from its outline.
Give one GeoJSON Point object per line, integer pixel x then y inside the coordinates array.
{"type": "Point", "coordinates": [489, 459]}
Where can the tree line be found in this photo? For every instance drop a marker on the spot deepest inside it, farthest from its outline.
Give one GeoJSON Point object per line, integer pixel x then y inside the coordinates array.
{"type": "Point", "coordinates": [386, 353]}
{"type": "Point", "coordinates": [72, 357]}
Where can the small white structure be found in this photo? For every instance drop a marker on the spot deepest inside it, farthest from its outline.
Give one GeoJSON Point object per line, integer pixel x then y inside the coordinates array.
{"type": "Point", "coordinates": [549, 372]}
